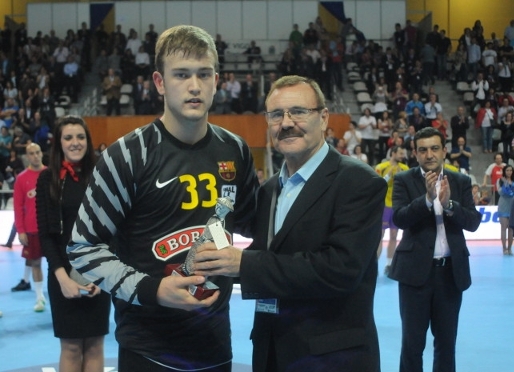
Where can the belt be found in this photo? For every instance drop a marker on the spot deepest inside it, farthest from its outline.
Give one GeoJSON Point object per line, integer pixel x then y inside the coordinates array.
{"type": "Point", "coordinates": [443, 261]}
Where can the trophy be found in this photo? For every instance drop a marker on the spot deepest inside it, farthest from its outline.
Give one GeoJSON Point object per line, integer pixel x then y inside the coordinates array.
{"type": "Point", "coordinates": [214, 231]}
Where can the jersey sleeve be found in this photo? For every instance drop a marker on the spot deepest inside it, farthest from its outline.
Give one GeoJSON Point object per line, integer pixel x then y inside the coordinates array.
{"type": "Point", "coordinates": [107, 202]}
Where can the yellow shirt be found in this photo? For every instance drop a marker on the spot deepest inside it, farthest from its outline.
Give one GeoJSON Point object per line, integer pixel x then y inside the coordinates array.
{"type": "Point", "coordinates": [387, 171]}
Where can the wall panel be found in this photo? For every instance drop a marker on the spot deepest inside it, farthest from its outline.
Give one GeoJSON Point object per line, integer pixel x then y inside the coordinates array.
{"type": "Point", "coordinates": [203, 15]}
{"type": "Point", "coordinates": [178, 13]}
{"type": "Point", "coordinates": [232, 30]}
{"type": "Point", "coordinates": [153, 12]}
{"type": "Point", "coordinates": [128, 14]}
{"type": "Point", "coordinates": [280, 19]}
{"type": "Point", "coordinates": [255, 20]}
{"type": "Point", "coordinates": [40, 16]}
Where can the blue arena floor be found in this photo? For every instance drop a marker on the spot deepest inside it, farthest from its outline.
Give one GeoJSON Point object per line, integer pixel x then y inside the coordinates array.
{"type": "Point", "coordinates": [485, 340]}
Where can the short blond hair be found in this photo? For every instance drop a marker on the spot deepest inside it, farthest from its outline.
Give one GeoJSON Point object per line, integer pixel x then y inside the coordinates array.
{"type": "Point", "coordinates": [190, 40]}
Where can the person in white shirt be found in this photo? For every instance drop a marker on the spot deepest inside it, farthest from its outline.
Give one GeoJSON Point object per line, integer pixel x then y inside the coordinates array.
{"type": "Point", "coordinates": [352, 137]}
{"type": "Point", "coordinates": [367, 125]}
{"type": "Point", "coordinates": [432, 108]}
{"type": "Point", "coordinates": [489, 56]}
{"type": "Point", "coordinates": [234, 87]}
{"type": "Point", "coordinates": [133, 43]}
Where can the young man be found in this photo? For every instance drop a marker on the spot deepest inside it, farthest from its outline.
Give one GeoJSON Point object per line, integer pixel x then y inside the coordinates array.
{"type": "Point", "coordinates": [433, 206]}
{"type": "Point", "coordinates": [387, 170]}
{"type": "Point", "coordinates": [151, 194]}
{"type": "Point", "coordinates": [26, 224]}
{"type": "Point", "coordinates": [312, 265]}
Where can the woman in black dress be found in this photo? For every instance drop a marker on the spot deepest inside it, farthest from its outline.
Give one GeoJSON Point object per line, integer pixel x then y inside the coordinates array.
{"type": "Point", "coordinates": [80, 311]}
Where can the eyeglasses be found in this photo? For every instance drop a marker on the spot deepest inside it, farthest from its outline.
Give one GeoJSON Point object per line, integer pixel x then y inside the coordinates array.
{"type": "Point", "coordinates": [295, 114]}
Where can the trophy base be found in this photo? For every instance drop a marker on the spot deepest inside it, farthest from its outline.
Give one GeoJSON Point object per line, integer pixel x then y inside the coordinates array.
{"type": "Point", "coordinates": [200, 292]}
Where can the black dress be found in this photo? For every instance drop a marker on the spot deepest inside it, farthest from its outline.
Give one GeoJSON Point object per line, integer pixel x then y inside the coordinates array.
{"type": "Point", "coordinates": [72, 318]}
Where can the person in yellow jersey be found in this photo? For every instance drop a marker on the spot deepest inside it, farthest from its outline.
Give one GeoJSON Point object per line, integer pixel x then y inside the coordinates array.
{"type": "Point", "coordinates": [388, 169]}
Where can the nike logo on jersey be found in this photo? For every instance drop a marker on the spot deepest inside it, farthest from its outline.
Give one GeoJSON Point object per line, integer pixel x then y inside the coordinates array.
{"type": "Point", "coordinates": [160, 185]}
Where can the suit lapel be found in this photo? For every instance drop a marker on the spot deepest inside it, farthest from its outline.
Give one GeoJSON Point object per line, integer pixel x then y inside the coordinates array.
{"type": "Point", "coordinates": [419, 181]}
{"type": "Point", "coordinates": [314, 188]}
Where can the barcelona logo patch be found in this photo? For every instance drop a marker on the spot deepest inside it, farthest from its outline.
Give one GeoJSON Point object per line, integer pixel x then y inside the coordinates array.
{"type": "Point", "coordinates": [227, 170]}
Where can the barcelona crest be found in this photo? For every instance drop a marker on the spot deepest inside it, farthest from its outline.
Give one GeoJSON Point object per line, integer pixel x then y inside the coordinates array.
{"type": "Point", "coordinates": [227, 170]}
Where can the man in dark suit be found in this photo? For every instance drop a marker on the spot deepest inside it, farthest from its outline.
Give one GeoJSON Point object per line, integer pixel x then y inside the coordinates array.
{"type": "Point", "coordinates": [312, 265]}
{"type": "Point", "coordinates": [433, 206]}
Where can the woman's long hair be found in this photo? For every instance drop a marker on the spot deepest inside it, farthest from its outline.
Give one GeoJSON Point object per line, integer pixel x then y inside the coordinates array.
{"type": "Point", "coordinates": [57, 155]}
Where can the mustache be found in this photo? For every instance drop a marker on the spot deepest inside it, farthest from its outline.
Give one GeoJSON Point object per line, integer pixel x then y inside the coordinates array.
{"type": "Point", "coordinates": [286, 133]}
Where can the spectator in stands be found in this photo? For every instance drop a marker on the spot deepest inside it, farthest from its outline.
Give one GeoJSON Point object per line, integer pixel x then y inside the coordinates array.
{"type": "Point", "coordinates": [390, 64]}
{"type": "Point", "coordinates": [399, 40]}
{"type": "Point", "coordinates": [505, 74]}
{"type": "Point", "coordinates": [9, 112]}
{"type": "Point", "coordinates": [506, 49]}
{"type": "Point", "coordinates": [221, 46]}
{"type": "Point", "coordinates": [222, 99]}
{"type": "Point", "coordinates": [71, 78]}
{"type": "Point", "coordinates": [493, 173]}
{"type": "Point", "coordinates": [443, 49]}
{"type": "Point", "coordinates": [486, 118]}
{"type": "Point", "coordinates": [142, 61]}
{"type": "Point", "coordinates": [460, 125]}
{"type": "Point", "coordinates": [433, 37]}
{"type": "Point", "coordinates": [380, 98]}
{"type": "Point", "coordinates": [296, 38]}
{"type": "Point", "coordinates": [152, 37]}
{"type": "Point", "coordinates": [352, 137]}
{"type": "Point", "coordinates": [84, 35]}
{"type": "Point", "coordinates": [475, 190]}
{"type": "Point", "coordinates": [415, 102]}
{"type": "Point", "coordinates": [416, 119]}
{"type": "Point", "coordinates": [114, 61]}
{"type": "Point", "coordinates": [461, 153]}
{"type": "Point", "coordinates": [505, 186]}
{"type": "Point", "coordinates": [416, 77]}
{"type": "Point", "coordinates": [128, 66]}
{"type": "Point", "coordinates": [102, 38]}
{"type": "Point", "coordinates": [118, 40]}
{"type": "Point", "coordinates": [61, 54]}
{"type": "Point", "coordinates": [249, 92]}
{"type": "Point", "coordinates": [399, 98]}
{"type": "Point", "coordinates": [310, 36]}
{"type": "Point", "coordinates": [479, 87]}
{"type": "Point", "coordinates": [10, 90]}
{"type": "Point", "coordinates": [505, 107]}
{"type": "Point", "coordinates": [385, 128]}
{"type": "Point", "coordinates": [42, 133]}
{"type": "Point", "coordinates": [341, 147]}
{"type": "Point", "coordinates": [254, 54]}
{"type": "Point", "coordinates": [133, 43]}
{"type": "Point", "coordinates": [432, 108]}
{"type": "Point", "coordinates": [474, 57]}
{"type": "Point", "coordinates": [272, 77]}
{"type": "Point", "coordinates": [489, 56]}
{"type": "Point", "coordinates": [324, 69]}
{"type": "Point", "coordinates": [5, 148]}
{"type": "Point", "coordinates": [288, 65]}
{"type": "Point", "coordinates": [47, 107]}
{"type": "Point", "coordinates": [509, 32]}
{"type": "Point", "coordinates": [42, 79]}
{"type": "Point", "coordinates": [401, 125]}
{"type": "Point", "coordinates": [427, 57]}
{"type": "Point", "coordinates": [330, 138]}
{"type": "Point", "coordinates": [507, 129]}
{"type": "Point", "coordinates": [441, 124]}
{"type": "Point", "coordinates": [102, 64]}
{"type": "Point", "coordinates": [20, 141]}
{"type": "Point", "coordinates": [234, 87]}
{"type": "Point", "coordinates": [460, 65]}
{"type": "Point", "coordinates": [358, 154]}
{"type": "Point", "coordinates": [491, 76]}
{"type": "Point", "coordinates": [367, 125]}
{"type": "Point", "coordinates": [144, 102]}
{"type": "Point", "coordinates": [111, 86]}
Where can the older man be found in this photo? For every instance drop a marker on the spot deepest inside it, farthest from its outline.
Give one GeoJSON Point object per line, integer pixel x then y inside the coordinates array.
{"type": "Point", "coordinates": [312, 265]}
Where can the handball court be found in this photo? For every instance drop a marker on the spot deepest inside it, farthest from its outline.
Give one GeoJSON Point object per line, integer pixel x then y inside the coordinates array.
{"type": "Point", "coordinates": [485, 340]}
